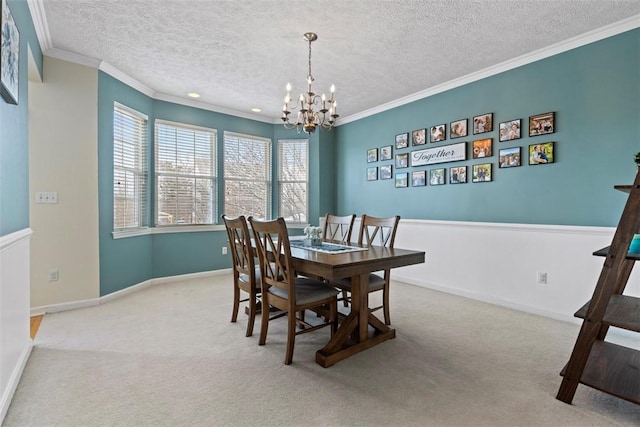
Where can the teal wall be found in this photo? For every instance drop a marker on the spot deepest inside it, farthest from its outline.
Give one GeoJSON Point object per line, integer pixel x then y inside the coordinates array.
{"type": "Point", "coordinates": [14, 131]}
{"type": "Point", "coordinates": [594, 91]}
{"type": "Point", "coordinates": [128, 261]}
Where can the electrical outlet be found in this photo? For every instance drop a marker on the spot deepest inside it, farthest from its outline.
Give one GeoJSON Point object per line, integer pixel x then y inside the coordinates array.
{"type": "Point", "coordinates": [224, 250]}
{"type": "Point", "coordinates": [53, 274]}
{"type": "Point", "coordinates": [542, 278]}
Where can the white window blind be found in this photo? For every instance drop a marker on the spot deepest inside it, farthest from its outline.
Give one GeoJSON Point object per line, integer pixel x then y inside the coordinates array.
{"type": "Point", "coordinates": [247, 176]}
{"type": "Point", "coordinates": [129, 168]}
{"type": "Point", "coordinates": [185, 170]}
{"type": "Point", "coordinates": [293, 166]}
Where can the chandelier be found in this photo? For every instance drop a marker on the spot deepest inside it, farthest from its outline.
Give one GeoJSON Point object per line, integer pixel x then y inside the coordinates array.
{"type": "Point", "coordinates": [309, 118]}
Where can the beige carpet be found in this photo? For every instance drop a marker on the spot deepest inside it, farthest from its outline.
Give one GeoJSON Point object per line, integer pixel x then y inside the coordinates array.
{"type": "Point", "coordinates": [168, 356]}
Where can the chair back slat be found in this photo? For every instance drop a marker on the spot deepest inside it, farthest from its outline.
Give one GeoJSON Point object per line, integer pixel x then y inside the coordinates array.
{"type": "Point", "coordinates": [378, 231]}
{"type": "Point", "coordinates": [338, 228]}
{"type": "Point", "coordinates": [242, 254]}
{"type": "Point", "coordinates": [274, 254]}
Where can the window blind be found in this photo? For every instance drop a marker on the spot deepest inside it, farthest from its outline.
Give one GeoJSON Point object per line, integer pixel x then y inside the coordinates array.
{"type": "Point", "coordinates": [130, 170]}
{"type": "Point", "coordinates": [293, 166]}
{"type": "Point", "coordinates": [185, 170]}
{"type": "Point", "coordinates": [247, 176]}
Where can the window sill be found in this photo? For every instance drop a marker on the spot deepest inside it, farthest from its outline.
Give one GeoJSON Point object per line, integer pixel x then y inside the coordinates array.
{"type": "Point", "coordinates": [122, 234]}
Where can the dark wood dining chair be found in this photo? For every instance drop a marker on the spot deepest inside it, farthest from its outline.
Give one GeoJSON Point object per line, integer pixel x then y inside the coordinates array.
{"type": "Point", "coordinates": [282, 289]}
{"type": "Point", "coordinates": [338, 228]}
{"type": "Point", "coordinates": [375, 232]}
{"type": "Point", "coordinates": [246, 275]}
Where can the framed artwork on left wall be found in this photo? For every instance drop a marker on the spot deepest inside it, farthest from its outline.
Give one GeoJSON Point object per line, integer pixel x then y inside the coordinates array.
{"type": "Point", "coordinates": [10, 55]}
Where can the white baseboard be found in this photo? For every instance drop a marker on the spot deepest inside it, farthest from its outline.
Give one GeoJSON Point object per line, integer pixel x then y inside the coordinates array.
{"type": "Point", "coordinates": [74, 305]}
{"type": "Point", "coordinates": [12, 385]}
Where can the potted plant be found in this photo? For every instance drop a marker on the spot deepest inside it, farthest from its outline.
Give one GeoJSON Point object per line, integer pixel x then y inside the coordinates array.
{"type": "Point", "coordinates": [637, 158]}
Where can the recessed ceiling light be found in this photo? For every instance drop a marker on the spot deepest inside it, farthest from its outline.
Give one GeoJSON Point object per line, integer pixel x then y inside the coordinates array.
{"type": "Point", "coordinates": [194, 94]}
{"type": "Point", "coordinates": [256, 110]}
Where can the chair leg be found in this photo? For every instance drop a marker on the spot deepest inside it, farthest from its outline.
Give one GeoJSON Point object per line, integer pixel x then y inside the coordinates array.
{"type": "Point", "coordinates": [252, 315]}
{"type": "Point", "coordinates": [236, 302]}
{"type": "Point", "coordinates": [333, 317]}
{"type": "Point", "coordinates": [291, 337]}
{"type": "Point", "coordinates": [264, 325]}
{"type": "Point", "coordinates": [385, 305]}
{"type": "Point", "coordinates": [345, 301]}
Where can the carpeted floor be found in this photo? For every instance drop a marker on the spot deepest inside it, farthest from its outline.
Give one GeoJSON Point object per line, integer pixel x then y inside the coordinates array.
{"type": "Point", "coordinates": [168, 356]}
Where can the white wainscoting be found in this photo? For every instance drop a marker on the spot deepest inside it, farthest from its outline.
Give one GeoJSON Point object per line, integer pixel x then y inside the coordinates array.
{"type": "Point", "coordinates": [15, 342]}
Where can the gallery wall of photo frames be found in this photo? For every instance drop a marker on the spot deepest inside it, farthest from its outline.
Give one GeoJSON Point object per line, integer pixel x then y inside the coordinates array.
{"type": "Point", "coordinates": [413, 149]}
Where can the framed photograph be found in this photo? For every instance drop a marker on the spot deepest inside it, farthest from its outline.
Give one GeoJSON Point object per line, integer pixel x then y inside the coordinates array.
{"type": "Point", "coordinates": [483, 123]}
{"type": "Point", "coordinates": [510, 130]}
{"type": "Point", "coordinates": [386, 153]}
{"type": "Point", "coordinates": [372, 174]}
{"type": "Point", "coordinates": [419, 137]}
{"type": "Point", "coordinates": [372, 155]}
{"type": "Point", "coordinates": [458, 175]}
{"type": "Point", "coordinates": [402, 160]}
{"type": "Point", "coordinates": [509, 157]}
{"type": "Point", "coordinates": [402, 140]}
{"type": "Point", "coordinates": [541, 154]}
{"type": "Point", "coordinates": [438, 133]}
{"type": "Point", "coordinates": [482, 148]}
{"type": "Point", "coordinates": [437, 176]}
{"type": "Point", "coordinates": [10, 56]}
{"type": "Point", "coordinates": [386, 172]}
{"type": "Point", "coordinates": [402, 180]}
{"type": "Point", "coordinates": [542, 124]}
{"type": "Point", "coordinates": [418, 178]}
{"type": "Point", "coordinates": [458, 129]}
{"type": "Point", "coordinates": [481, 172]}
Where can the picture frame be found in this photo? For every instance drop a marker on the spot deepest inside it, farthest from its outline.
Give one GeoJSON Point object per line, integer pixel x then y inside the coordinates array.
{"type": "Point", "coordinates": [483, 123]}
{"type": "Point", "coordinates": [541, 154]}
{"type": "Point", "coordinates": [437, 176]}
{"type": "Point", "coordinates": [438, 133]}
{"type": "Point", "coordinates": [481, 173]}
{"type": "Point", "coordinates": [386, 152]}
{"type": "Point", "coordinates": [510, 130]}
{"type": "Point", "coordinates": [458, 175]}
{"type": "Point", "coordinates": [418, 178]}
{"type": "Point", "coordinates": [386, 172]}
{"type": "Point", "coordinates": [402, 180]}
{"type": "Point", "coordinates": [9, 56]}
{"type": "Point", "coordinates": [402, 140]}
{"type": "Point", "coordinates": [372, 173]}
{"type": "Point", "coordinates": [542, 124]}
{"type": "Point", "coordinates": [509, 157]}
{"type": "Point", "coordinates": [439, 154]}
{"type": "Point", "coordinates": [458, 129]}
{"type": "Point", "coordinates": [402, 160]}
{"type": "Point", "coordinates": [372, 155]}
{"type": "Point", "coordinates": [419, 137]}
{"type": "Point", "coordinates": [482, 148]}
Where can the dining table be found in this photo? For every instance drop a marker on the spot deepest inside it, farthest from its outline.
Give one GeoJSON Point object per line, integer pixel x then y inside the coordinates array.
{"type": "Point", "coordinates": [360, 329]}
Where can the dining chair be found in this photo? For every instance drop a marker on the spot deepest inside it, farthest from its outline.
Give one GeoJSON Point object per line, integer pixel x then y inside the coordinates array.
{"type": "Point", "coordinates": [338, 228]}
{"type": "Point", "coordinates": [246, 275]}
{"type": "Point", "coordinates": [284, 290]}
{"type": "Point", "coordinates": [375, 232]}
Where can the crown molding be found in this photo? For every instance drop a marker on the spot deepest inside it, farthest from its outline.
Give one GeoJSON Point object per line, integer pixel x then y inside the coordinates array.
{"type": "Point", "coordinates": [619, 27]}
{"type": "Point", "coordinates": [72, 57]}
{"type": "Point", "coordinates": [39, 18]}
{"type": "Point", "coordinates": [126, 79]}
{"type": "Point", "coordinates": [210, 107]}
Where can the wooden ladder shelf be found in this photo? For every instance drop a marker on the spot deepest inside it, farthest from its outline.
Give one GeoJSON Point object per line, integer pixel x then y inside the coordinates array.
{"type": "Point", "coordinates": [594, 362]}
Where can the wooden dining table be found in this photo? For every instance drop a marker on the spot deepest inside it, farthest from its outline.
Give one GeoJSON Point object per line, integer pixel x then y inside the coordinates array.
{"type": "Point", "coordinates": [360, 329]}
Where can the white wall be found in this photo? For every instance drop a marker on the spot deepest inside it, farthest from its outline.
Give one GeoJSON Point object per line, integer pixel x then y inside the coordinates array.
{"type": "Point", "coordinates": [63, 157]}
{"type": "Point", "coordinates": [15, 343]}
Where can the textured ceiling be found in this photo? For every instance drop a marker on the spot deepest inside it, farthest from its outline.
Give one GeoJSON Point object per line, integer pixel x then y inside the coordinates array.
{"type": "Point", "coordinates": [240, 54]}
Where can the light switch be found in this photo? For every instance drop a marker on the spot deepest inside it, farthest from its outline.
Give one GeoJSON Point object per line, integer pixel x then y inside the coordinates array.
{"type": "Point", "coordinates": [47, 197]}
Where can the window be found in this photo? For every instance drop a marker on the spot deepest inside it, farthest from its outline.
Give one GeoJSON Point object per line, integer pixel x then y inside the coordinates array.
{"type": "Point", "coordinates": [185, 171]}
{"type": "Point", "coordinates": [293, 155]}
{"type": "Point", "coordinates": [247, 176]}
{"type": "Point", "coordinates": [129, 168]}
